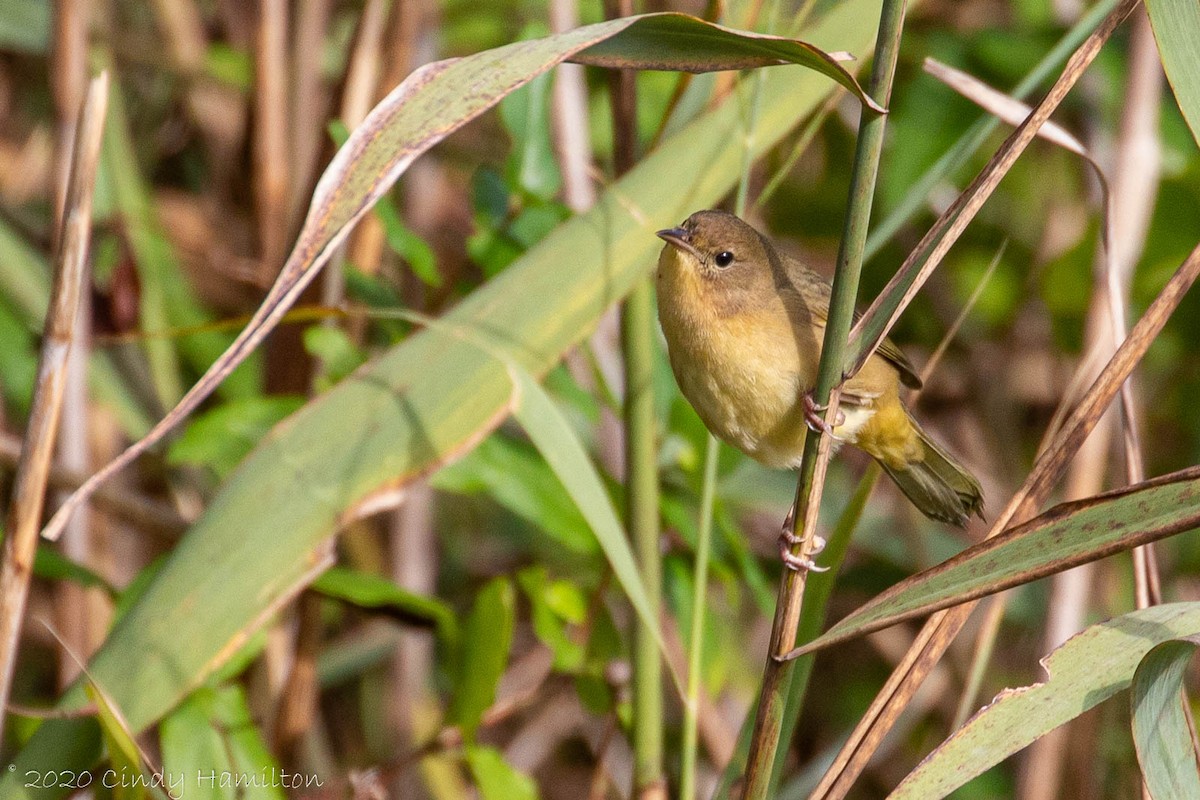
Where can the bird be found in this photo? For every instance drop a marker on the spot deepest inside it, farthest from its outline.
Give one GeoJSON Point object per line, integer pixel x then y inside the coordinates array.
{"type": "Point", "coordinates": [744, 325]}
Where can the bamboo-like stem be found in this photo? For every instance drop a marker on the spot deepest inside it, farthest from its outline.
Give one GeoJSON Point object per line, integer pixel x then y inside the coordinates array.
{"type": "Point", "coordinates": [271, 130]}
{"type": "Point", "coordinates": [76, 607]}
{"type": "Point", "coordinates": [637, 344]}
{"type": "Point", "coordinates": [25, 512]}
{"type": "Point", "coordinates": [687, 777]}
{"type": "Point", "coordinates": [772, 696]}
{"type": "Point", "coordinates": [641, 463]}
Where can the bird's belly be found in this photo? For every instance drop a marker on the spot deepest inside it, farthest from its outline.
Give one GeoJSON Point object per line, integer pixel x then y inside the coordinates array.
{"type": "Point", "coordinates": [747, 388]}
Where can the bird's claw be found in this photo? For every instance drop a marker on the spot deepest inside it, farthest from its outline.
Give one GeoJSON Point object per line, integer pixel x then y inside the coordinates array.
{"type": "Point", "coordinates": [799, 563]}
{"type": "Point", "coordinates": [817, 423]}
{"type": "Point", "coordinates": [788, 540]}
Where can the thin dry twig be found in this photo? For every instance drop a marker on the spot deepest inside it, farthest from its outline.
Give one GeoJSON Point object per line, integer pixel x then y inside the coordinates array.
{"type": "Point", "coordinates": [155, 516]}
{"type": "Point", "coordinates": [25, 513]}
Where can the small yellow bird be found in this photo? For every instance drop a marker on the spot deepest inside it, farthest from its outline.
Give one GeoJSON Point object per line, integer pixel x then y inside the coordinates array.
{"type": "Point", "coordinates": [744, 326]}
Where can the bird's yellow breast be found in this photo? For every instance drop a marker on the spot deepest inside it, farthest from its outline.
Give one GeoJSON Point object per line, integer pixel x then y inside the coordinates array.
{"type": "Point", "coordinates": [744, 372]}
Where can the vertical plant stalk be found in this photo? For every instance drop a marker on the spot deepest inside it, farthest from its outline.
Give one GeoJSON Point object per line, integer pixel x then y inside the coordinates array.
{"type": "Point", "coordinates": [772, 696]}
{"type": "Point", "coordinates": [33, 470]}
{"type": "Point", "coordinates": [76, 608]}
{"type": "Point", "coordinates": [270, 135]}
{"type": "Point", "coordinates": [691, 716]}
{"type": "Point", "coordinates": [641, 463]}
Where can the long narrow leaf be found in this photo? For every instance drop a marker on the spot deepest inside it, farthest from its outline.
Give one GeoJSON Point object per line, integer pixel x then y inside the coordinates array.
{"type": "Point", "coordinates": [487, 638]}
{"type": "Point", "coordinates": [878, 320]}
{"type": "Point", "coordinates": [1066, 536]}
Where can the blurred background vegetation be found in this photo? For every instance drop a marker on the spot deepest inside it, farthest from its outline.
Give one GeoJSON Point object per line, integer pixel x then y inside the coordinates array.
{"type": "Point", "coordinates": [222, 116]}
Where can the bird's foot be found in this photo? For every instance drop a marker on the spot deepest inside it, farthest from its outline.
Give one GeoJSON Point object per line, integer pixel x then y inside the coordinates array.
{"type": "Point", "coordinates": [817, 423]}
{"type": "Point", "coordinates": [788, 540]}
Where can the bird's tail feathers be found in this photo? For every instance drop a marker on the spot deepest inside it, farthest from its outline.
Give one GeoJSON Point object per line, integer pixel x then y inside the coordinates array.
{"type": "Point", "coordinates": [937, 484]}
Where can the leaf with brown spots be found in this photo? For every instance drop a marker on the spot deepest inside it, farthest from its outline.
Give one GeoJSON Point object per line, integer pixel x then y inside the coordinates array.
{"type": "Point", "coordinates": [1066, 536]}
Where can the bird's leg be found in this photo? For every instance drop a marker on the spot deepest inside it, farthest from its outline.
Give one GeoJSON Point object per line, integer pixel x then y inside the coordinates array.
{"type": "Point", "coordinates": [788, 539]}
{"type": "Point", "coordinates": [814, 420]}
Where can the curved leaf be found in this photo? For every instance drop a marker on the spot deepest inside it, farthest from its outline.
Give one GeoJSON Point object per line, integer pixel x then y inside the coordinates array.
{"type": "Point", "coordinates": [682, 43]}
{"type": "Point", "coordinates": [377, 593]}
{"type": "Point", "coordinates": [1066, 536]}
{"type": "Point", "coordinates": [1161, 731]}
{"type": "Point", "coordinates": [1088, 669]}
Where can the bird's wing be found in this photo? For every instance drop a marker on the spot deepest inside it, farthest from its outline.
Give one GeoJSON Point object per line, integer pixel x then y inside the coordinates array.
{"type": "Point", "coordinates": [818, 292]}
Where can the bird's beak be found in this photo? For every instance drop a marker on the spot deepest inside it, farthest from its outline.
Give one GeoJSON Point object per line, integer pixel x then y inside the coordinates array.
{"type": "Point", "coordinates": [679, 237]}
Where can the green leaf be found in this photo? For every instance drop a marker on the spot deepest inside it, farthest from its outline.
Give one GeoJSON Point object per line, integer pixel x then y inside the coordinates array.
{"type": "Point", "coordinates": [425, 402]}
{"type": "Point", "coordinates": [52, 565]}
{"type": "Point", "coordinates": [563, 451]}
{"type": "Point", "coordinates": [687, 44]}
{"type": "Point", "coordinates": [166, 299]}
{"type": "Point", "coordinates": [210, 743]}
{"type": "Point", "coordinates": [1066, 536]}
{"type": "Point", "coordinates": [1176, 25]}
{"type": "Point", "coordinates": [406, 244]}
{"type": "Point", "coordinates": [1161, 731]}
{"type": "Point", "coordinates": [221, 438]}
{"type": "Point", "coordinates": [533, 165]}
{"type": "Point", "coordinates": [483, 655]}
{"type": "Point", "coordinates": [556, 605]}
{"type": "Point", "coordinates": [377, 593]}
{"type": "Point", "coordinates": [1090, 668]}
{"type": "Point", "coordinates": [495, 778]}
{"type": "Point", "coordinates": [25, 26]}
{"type": "Point", "coordinates": [339, 356]}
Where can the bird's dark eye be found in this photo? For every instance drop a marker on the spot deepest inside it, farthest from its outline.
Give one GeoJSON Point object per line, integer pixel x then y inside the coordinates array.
{"type": "Point", "coordinates": [724, 258]}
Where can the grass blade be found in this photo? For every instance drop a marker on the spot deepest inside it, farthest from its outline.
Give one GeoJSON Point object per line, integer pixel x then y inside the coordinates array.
{"type": "Point", "coordinates": [558, 444]}
{"type": "Point", "coordinates": [1066, 536]}
{"type": "Point", "coordinates": [878, 320]}
{"type": "Point", "coordinates": [487, 638]}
